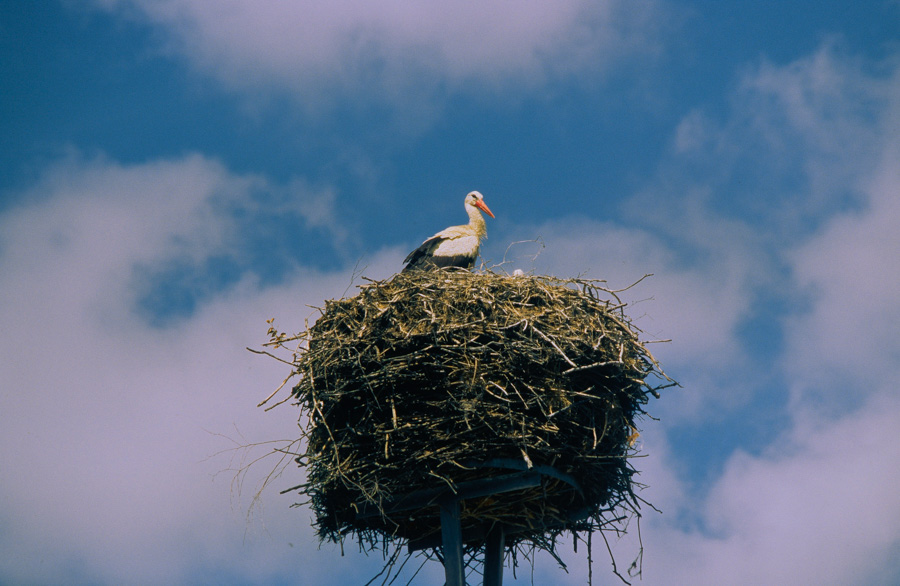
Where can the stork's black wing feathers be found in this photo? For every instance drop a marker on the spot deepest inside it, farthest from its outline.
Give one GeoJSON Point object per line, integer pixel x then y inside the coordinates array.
{"type": "Point", "coordinates": [421, 258]}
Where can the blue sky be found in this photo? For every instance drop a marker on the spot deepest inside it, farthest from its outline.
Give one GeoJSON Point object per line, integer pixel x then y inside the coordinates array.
{"type": "Point", "coordinates": [173, 173]}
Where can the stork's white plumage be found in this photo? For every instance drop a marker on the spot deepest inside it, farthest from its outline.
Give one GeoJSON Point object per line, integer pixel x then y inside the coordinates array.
{"type": "Point", "coordinates": [456, 246]}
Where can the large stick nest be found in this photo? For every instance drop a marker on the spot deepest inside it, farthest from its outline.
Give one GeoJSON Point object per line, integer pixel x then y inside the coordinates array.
{"type": "Point", "coordinates": [420, 381]}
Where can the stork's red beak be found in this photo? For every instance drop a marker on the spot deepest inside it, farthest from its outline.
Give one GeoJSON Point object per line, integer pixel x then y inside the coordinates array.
{"type": "Point", "coordinates": [483, 207]}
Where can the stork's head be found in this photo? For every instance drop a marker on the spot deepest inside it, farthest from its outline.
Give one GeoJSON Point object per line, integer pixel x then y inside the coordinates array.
{"type": "Point", "coordinates": [476, 199]}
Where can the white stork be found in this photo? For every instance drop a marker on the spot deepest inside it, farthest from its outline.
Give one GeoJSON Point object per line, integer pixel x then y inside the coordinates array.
{"type": "Point", "coordinates": [456, 246]}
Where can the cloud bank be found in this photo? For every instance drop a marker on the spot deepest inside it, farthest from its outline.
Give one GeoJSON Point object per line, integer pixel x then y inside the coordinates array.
{"type": "Point", "coordinates": [388, 48]}
{"type": "Point", "coordinates": [108, 421]}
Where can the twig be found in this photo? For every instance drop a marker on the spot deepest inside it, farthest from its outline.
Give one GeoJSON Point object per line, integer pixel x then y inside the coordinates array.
{"type": "Point", "coordinates": [552, 343]}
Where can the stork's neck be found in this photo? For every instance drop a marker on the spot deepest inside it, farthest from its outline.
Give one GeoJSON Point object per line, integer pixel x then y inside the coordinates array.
{"type": "Point", "coordinates": [476, 221]}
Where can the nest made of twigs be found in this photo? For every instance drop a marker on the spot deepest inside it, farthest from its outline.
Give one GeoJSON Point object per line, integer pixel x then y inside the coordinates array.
{"type": "Point", "coordinates": [433, 379]}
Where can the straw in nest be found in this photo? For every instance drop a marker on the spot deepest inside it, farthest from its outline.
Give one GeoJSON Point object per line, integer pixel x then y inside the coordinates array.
{"type": "Point", "coordinates": [434, 379]}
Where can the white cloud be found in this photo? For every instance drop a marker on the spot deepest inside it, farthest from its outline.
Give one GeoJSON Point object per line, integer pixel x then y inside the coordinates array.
{"type": "Point", "coordinates": [799, 144]}
{"type": "Point", "coordinates": [105, 421]}
{"type": "Point", "coordinates": [841, 343]}
{"type": "Point", "coordinates": [390, 48]}
{"type": "Point", "coordinates": [822, 113]}
{"type": "Point", "coordinates": [819, 507]}
{"type": "Point", "coordinates": [846, 345]}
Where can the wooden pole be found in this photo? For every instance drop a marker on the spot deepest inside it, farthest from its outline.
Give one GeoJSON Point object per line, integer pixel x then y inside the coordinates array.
{"type": "Point", "coordinates": [494, 551]}
{"type": "Point", "coordinates": [451, 532]}
{"type": "Point", "coordinates": [451, 537]}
